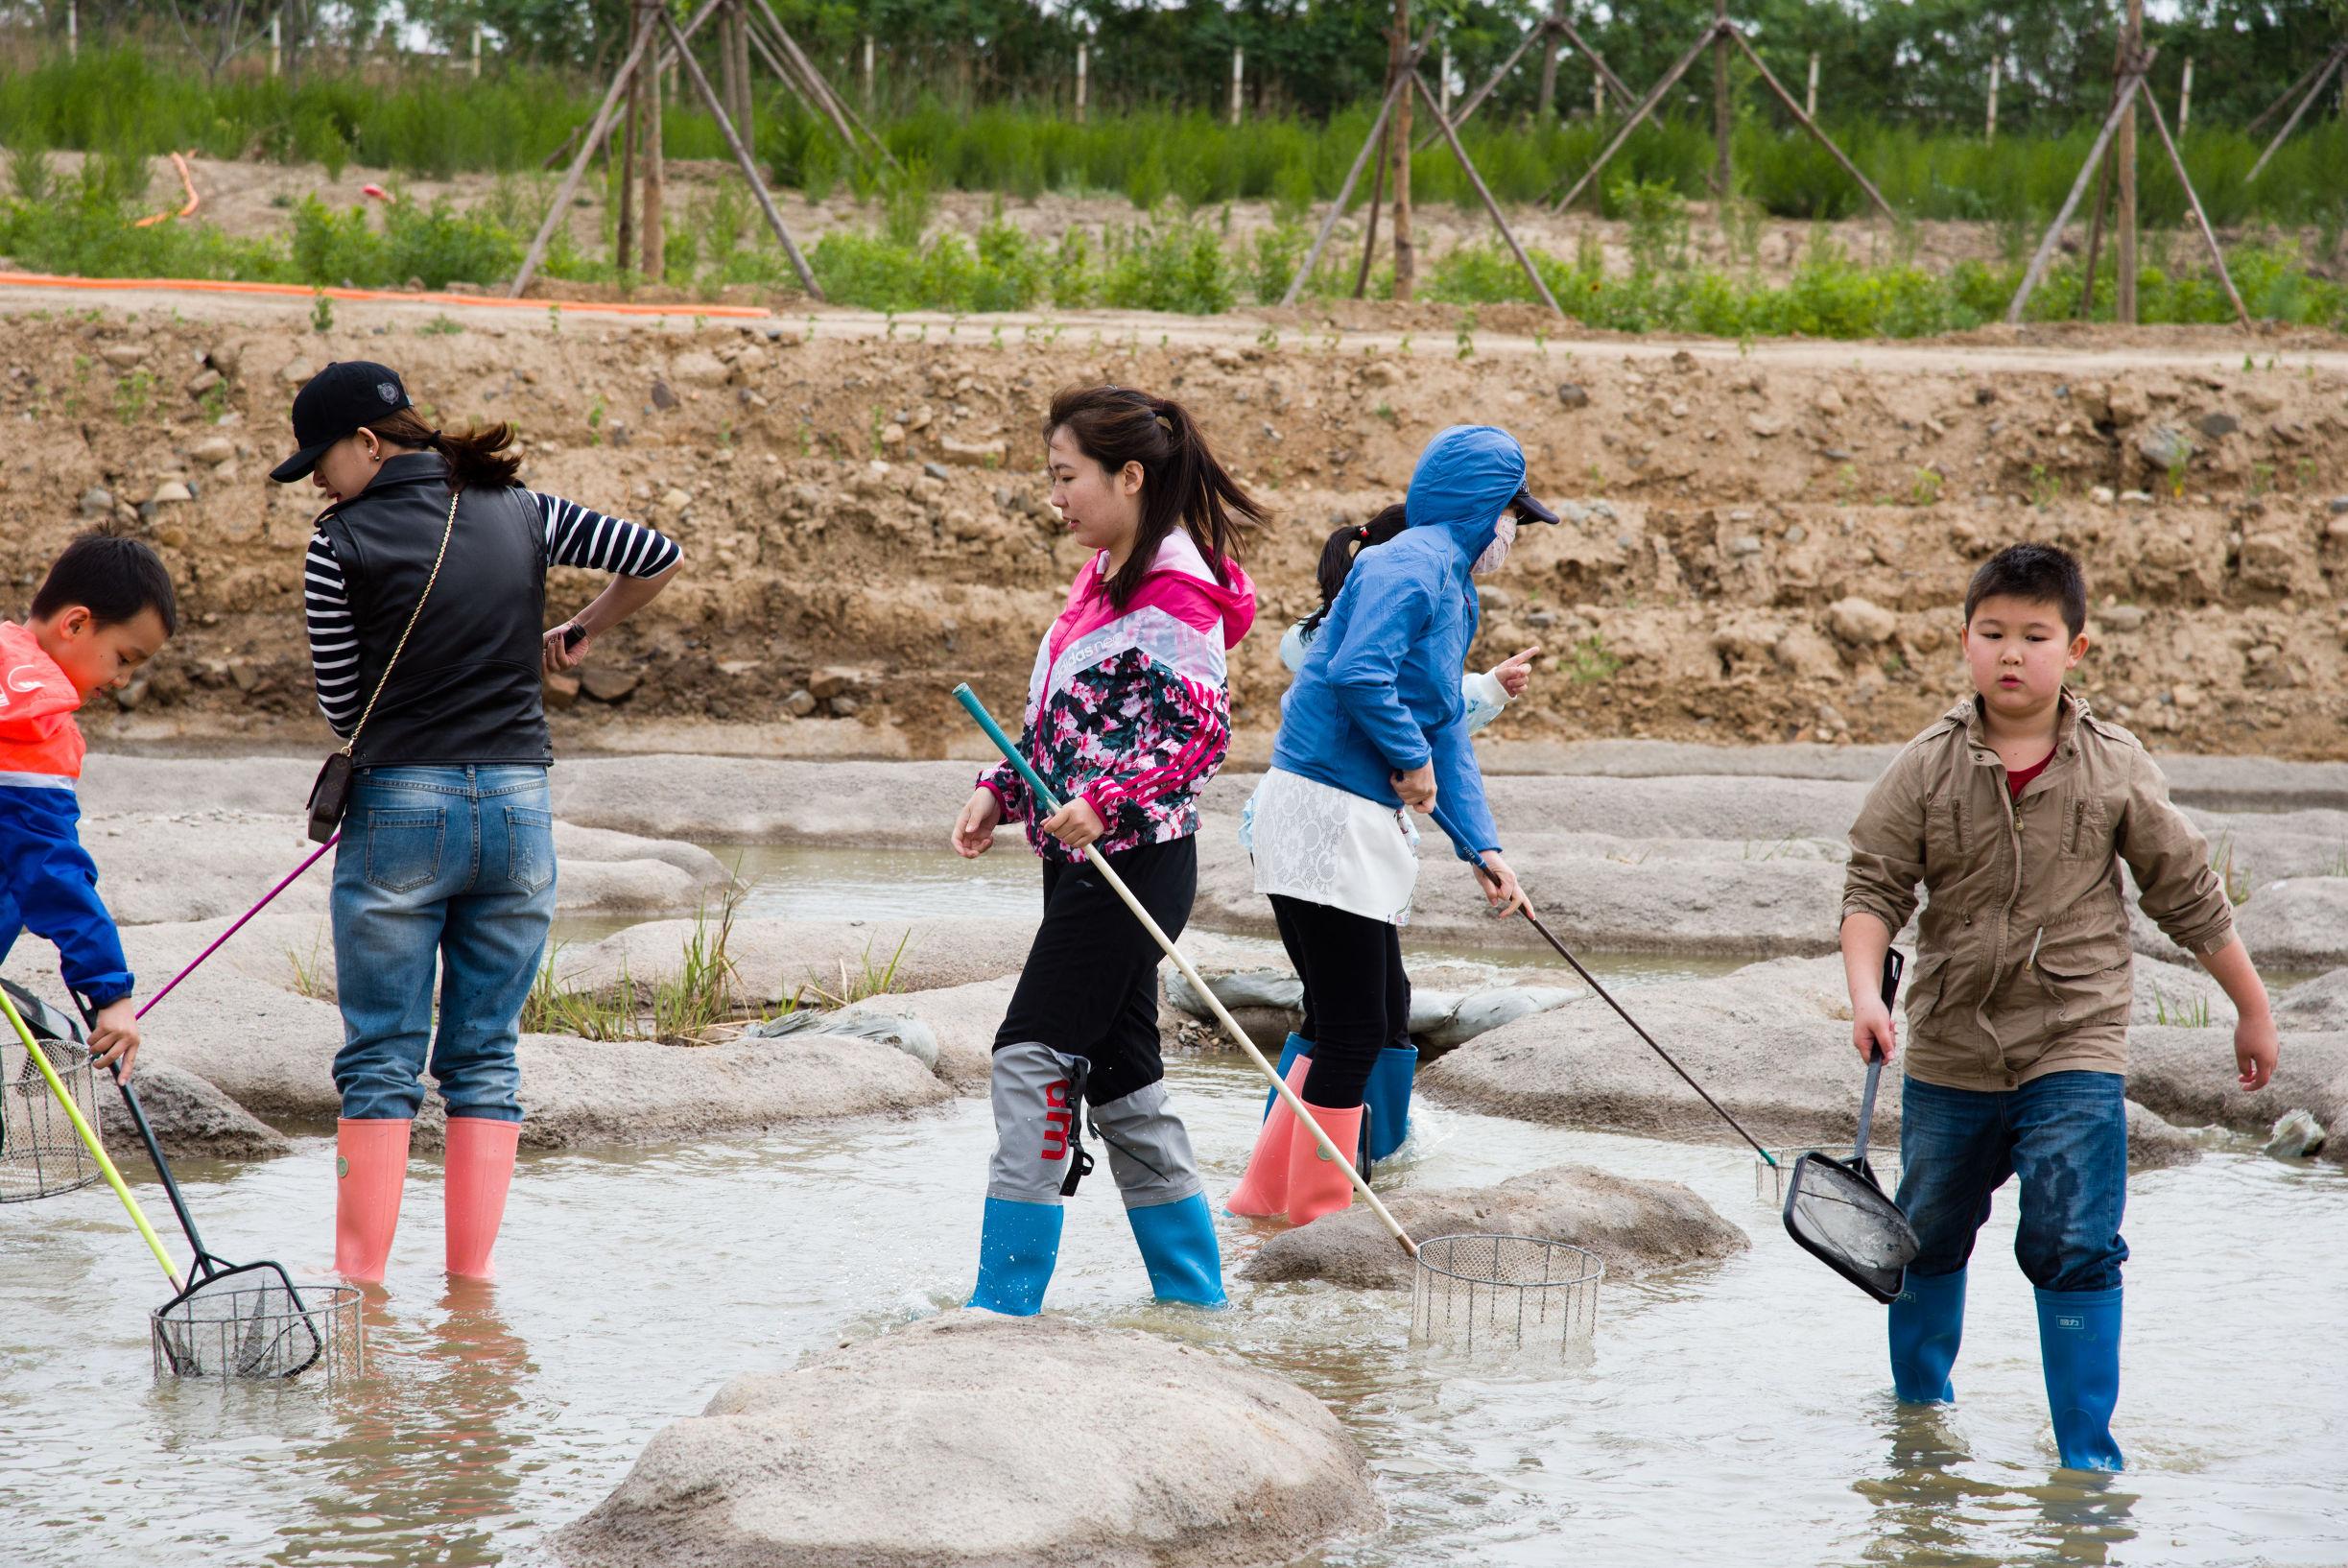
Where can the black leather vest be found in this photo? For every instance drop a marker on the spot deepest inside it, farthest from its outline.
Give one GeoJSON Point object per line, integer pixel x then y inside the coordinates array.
{"type": "Point", "coordinates": [467, 688]}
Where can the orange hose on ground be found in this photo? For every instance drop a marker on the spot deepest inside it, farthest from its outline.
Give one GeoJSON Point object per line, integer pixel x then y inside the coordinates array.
{"type": "Point", "coordinates": [296, 291]}
{"type": "Point", "coordinates": [187, 182]}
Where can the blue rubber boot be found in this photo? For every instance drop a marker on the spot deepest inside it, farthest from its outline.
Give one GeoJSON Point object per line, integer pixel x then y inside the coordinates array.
{"type": "Point", "coordinates": [1177, 1242]}
{"type": "Point", "coordinates": [2078, 1340]}
{"type": "Point", "coordinates": [1018, 1244]}
{"type": "Point", "coordinates": [1388, 1094]}
{"type": "Point", "coordinates": [1928, 1323]}
{"type": "Point", "coordinates": [1297, 1046]}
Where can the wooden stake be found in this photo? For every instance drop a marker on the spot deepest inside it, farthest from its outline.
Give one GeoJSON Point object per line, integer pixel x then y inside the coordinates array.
{"type": "Point", "coordinates": [624, 247]}
{"type": "Point", "coordinates": [1546, 105]}
{"type": "Point", "coordinates": [1477, 98]}
{"type": "Point", "coordinates": [1646, 107]}
{"type": "Point", "coordinates": [1809, 125]}
{"type": "Point", "coordinates": [2095, 239]}
{"type": "Point", "coordinates": [653, 264]}
{"type": "Point", "coordinates": [73, 35]}
{"type": "Point", "coordinates": [2193, 199]}
{"type": "Point", "coordinates": [1597, 101]}
{"type": "Point", "coordinates": [729, 89]}
{"type": "Point", "coordinates": [794, 66]}
{"type": "Point", "coordinates": [2123, 220]}
{"type": "Point", "coordinates": [1810, 95]}
{"type": "Point", "coordinates": [1239, 60]}
{"type": "Point", "coordinates": [2288, 93]}
{"type": "Point", "coordinates": [742, 157]}
{"type": "Point", "coordinates": [1370, 230]}
{"type": "Point", "coordinates": [559, 210]}
{"type": "Point", "coordinates": [2323, 74]}
{"type": "Point", "coordinates": [1406, 63]}
{"type": "Point", "coordinates": [1991, 135]}
{"type": "Point", "coordinates": [869, 71]}
{"type": "Point", "coordinates": [1598, 62]}
{"type": "Point", "coordinates": [2185, 98]}
{"type": "Point", "coordinates": [1443, 83]}
{"type": "Point", "coordinates": [1082, 63]}
{"type": "Point", "coordinates": [1491, 206]}
{"type": "Point", "coordinates": [1344, 192]}
{"type": "Point", "coordinates": [1723, 116]}
{"type": "Point", "coordinates": [2078, 188]}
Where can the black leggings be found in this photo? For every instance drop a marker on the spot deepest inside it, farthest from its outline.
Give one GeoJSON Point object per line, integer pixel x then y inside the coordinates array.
{"type": "Point", "coordinates": [1090, 987]}
{"type": "Point", "coordinates": [1356, 998]}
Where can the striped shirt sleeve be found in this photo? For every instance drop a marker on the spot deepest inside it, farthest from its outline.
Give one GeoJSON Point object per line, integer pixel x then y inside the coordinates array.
{"type": "Point", "coordinates": [578, 537]}
{"type": "Point", "coordinates": [334, 641]}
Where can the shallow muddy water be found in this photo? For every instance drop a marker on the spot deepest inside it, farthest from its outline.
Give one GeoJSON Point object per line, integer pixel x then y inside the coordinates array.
{"type": "Point", "coordinates": [1745, 1404]}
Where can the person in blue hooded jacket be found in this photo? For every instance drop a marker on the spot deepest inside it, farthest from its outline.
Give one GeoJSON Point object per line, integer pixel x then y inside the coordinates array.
{"type": "Point", "coordinates": [1374, 724]}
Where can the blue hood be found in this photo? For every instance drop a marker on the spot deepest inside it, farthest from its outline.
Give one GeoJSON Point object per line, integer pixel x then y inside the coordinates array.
{"type": "Point", "coordinates": [1464, 480]}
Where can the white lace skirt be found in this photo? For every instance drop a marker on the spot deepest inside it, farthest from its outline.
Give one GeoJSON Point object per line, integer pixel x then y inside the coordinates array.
{"type": "Point", "coordinates": [1326, 846]}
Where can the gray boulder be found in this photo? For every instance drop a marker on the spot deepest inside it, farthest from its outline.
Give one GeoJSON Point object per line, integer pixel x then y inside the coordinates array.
{"type": "Point", "coordinates": [189, 1117]}
{"type": "Point", "coordinates": [1635, 1227]}
{"type": "Point", "coordinates": [971, 1440]}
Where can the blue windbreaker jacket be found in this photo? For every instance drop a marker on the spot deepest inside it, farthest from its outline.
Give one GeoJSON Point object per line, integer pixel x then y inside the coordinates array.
{"type": "Point", "coordinates": [1380, 689]}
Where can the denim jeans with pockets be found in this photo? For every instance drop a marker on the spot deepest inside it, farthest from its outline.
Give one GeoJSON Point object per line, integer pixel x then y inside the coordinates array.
{"type": "Point", "coordinates": [2065, 1134]}
{"type": "Point", "coordinates": [447, 870]}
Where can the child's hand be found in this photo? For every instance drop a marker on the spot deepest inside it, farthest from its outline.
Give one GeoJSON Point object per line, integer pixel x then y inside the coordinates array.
{"type": "Point", "coordinates": [1515, 672]}
{"type": "Point", "coordinates": [561, 651]}
{"type": "Point", "coordinates": [1416, 787]}
{"type": "Point", "coordinates": [974, 830]}
{"type": "Point", "coordinates": [2256, 1047]}
{"type": "Point", "coordinates": [113, 1036]}
{"type": "Point", "coordinates": [1075, 824]}
{"type": "Point", "coordinates": [1499, 885]}
{"type": "Point", "coordinates": [1873, 1030]}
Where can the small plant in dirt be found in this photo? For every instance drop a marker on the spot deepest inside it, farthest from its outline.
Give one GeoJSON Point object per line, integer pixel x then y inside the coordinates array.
{"type": "Point", "coordinates": [1386, 411]}
{"type": "Point", "coordinates": [322, 313]}
{"type": "Point", "coordinates": [595, 422]}
{"type": "Point", "coordinates": [312, 974]}
{"type": "Point", "coordinates": [1465, 336]}
{"type": "Point", "coordinates": [2045, 489]}
{"type": "Point", "coordinates": [2261, 479]}
{"type": "Point", "coordinates": [2233, 877]}
{"type": "Point", "coordinates": [439, 326]}
{"type": "Point", "coordinates": [2180, 467]}
{"type": "Point", "coordinates": [1593, 661]}
{"type": "Point", "coordinates": [1925, 490]}
{"type": "Point", "coordinates": [866, 981]}
{"type": "Point", "coordinates": [134, 396]}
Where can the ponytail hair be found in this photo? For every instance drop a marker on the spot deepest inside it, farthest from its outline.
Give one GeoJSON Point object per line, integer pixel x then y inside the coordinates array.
{"type": "Point", "coordinates": [477, 459]}
{"type": "Point", "coordinates": [1182, 484]}
{"type": "Point", "coordinates": [1338, 556]}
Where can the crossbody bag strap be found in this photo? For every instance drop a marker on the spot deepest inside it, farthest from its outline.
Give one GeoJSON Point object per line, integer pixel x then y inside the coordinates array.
{"type": "Point", "coordinates": [400, 647]}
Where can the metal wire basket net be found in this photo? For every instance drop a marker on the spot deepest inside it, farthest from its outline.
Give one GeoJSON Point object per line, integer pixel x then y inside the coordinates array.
{"type": "Point", "coordinates": [1503, 1296]}
{"type": "Point", "coordinates": [41, 1155]}
{"type": "Point", "coordinates": [1769, 1181]}
{"type": "Point", "coordinates": [255, 1322]}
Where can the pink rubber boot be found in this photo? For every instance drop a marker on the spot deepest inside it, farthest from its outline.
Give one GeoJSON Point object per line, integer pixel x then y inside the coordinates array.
{"type": "Point", "coordinates": [479, 1169]}
{"type": "Point", "coordinates": [1262, 1189]}
{"type": "Point", "coordinates": [1317, 1185]}
{"type": "Point", "coordinates": [370, 1168]}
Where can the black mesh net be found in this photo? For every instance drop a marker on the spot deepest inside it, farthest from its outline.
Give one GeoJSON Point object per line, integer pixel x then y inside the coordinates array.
{"type": "Point", "coordinates": [41, 1153]}
{"type": "Point", "coordinates": [253, 1322]}
{"type": "Point", "coordinates": [1840, 1216]}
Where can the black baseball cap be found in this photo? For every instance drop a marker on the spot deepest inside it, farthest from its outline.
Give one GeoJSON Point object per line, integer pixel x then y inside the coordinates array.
{"type": "Point", "coordinates": [336, 401]}
{"type": "Point", "coordinates": [1527, 510]}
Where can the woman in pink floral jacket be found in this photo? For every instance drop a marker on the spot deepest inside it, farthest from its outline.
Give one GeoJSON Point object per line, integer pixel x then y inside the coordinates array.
{"type": "Point", "coordinates": [1127, 716]}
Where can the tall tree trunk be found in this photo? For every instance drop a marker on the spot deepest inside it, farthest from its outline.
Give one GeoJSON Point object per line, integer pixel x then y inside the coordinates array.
{"type": "Point", "coordinates": [1406, 250]}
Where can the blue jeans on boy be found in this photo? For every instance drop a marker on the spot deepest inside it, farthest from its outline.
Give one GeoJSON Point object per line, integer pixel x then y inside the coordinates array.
{"type": "Point", "coordinates": [446, 868]}
{"type": "Point", "coordinates": [2065, 1135]}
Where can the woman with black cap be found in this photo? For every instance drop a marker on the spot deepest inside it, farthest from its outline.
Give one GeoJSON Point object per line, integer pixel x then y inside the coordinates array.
{"type": "Point", "coordinates": [425, 591]}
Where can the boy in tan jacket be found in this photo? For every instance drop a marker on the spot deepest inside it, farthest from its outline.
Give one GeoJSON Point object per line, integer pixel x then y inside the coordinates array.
{"type": "Point", "coordinates": [2014, 812]}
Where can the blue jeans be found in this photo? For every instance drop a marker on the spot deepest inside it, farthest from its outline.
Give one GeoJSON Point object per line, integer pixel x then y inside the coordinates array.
{"type": "Point", "coordinates": [2066, 1135]}
{"type": "Point", "coordinates": [447, 867]}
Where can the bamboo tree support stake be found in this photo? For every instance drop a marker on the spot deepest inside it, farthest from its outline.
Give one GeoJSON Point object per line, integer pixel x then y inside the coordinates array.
{"type": "Point", "coordinates": [632, 129]}
{"type": "Point", "coordinates": [1809, 96]}
{"type": "Point", "coordinates": [1370, 230]}
{"type": "Point", "coordinates": [1597, 101]}
{"type": "Point", "coordinates": [1083, 63]}
{"type": "Point", "coordinates": [1344, 193]}
{"type": "Point", "coordinates": [1809, 125]}
{"type": "Point", "coordinates": [1638, 115]}
{"type": "Point", "coordinates": [2288, 93]}
{"type": "Point", "coordinates": [1723, 116]}
{"type": "Point", "coordinates": [2323, 75]}
{"type": "Point", "coordinates": [1549, 34]}
{"type": "Point", "coordinates": [1443, 112]}
{"type": "Point", "coordinates": [2078, 188]}
{"type": "Point", "coordinates": [559, 210]}
{"type": "Point", "coordinates": [1597, 62]}
{"type": "Point", "coordinates": [2103, 200]}
{"type": "Point", "coordinates": [1406, 62]}
{"type": "Point", "coordinates": [72, 33]}
{"type": "Point", "coordinates": [1989, 135]}
{"type": "Point", "coordinates": [1547, 28]}
{"type": "Point", "coordinates": [742, 157]}
{"type": "Point", "coordinates": [841, 115]}
{"type": "Point", "coordinates": [867, 73]}
{"type": "Point", "coordinates": [1239, 68]}
{"type": "Point", "coordinates": [653, 236]}
{"type": "Point", "coordinates": [1499, 220]}
{"type": "Point", "coordinates": [2193, 199]}
{"type": "Point", "coordinates": [2185, 98]}
{"type": "Point", "coordinates": [2124, 224]}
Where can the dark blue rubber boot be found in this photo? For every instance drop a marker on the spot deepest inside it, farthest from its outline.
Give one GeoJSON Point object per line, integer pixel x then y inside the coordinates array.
{"type": "Point", "coordinates": [1928, 1323]}
{"type": "Point", "coordinates": [1388, 1094]}
{"type": "Point", "coordinates": [2078, 1340]}
{"type": "Point", "coordinates": [1297, 1046]}
{"type": "Point", "coordinates": [1177, 1242]}
{"type": "Point", "coordinates": [1018, 1244]}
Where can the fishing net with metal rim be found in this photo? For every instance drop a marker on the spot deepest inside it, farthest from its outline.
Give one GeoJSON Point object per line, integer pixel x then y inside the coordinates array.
{"type": "Point", "coordinates": [1839, 1215]}
{"type": "Point", "coordinates": [253, 1322]}
{"type": "Point", "coordinates": [1505, 1296]}
{"type": "Point", "coordinates": [41, 1155]}
{"type": "Point", "coordinates": [1770, 1180]}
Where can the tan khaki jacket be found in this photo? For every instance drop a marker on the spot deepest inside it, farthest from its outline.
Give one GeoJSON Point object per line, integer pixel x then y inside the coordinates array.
{"type": "Point", "coordinates": [2022, 953]}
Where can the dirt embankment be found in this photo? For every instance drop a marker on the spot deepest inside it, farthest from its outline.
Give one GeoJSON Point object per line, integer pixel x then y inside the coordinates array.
{"type": "Point", "coordinates": [1763, 546]}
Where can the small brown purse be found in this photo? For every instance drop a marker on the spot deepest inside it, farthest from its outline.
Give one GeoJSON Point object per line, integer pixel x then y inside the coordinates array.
{"type": "Point", "coordinates": [330, 792]}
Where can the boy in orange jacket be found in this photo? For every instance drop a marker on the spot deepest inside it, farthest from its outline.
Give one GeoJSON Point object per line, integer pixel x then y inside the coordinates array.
{"type": "Point", "coordinates": [105, 608]}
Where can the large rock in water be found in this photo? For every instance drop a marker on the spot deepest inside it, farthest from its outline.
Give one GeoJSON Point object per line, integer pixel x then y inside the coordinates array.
{"type": "Point", "coordinates": [1635, 1227]}
{"type": "Point", "coordinates": [188, 1115]}
{"type": "Point", "coordinates": [972, 1439]}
